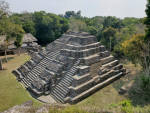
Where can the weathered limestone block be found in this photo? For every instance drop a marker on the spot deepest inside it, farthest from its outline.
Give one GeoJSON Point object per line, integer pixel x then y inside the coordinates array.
{"type": "Point", "coordinates": [28, 65]}
{"type": "Point", "coordinates": [83, 70]}
{"type": "Point", "coordinates": [47, 75]}
{"type": "Point", "coordinates": [80, 79]}
{"type": "Point", "coordinates": [43, 53]}
{"type": "Point", "coordinates": [81, 88]}
{"type": "Point", "coordinates": [110, 65]}
{"type": "Point", "coordinates": [23, 70]}
{"type": "Point", "coordinates": [82, 40]}
{"type": "Point", "coordinates": [55, 67]}
{"type": "Point", "coordinates": [106, 59]}
{"type": "Point", "coordinates": [78, 48]}
{"type": "Point", "coordinates": [118, 67]}
{"type": "Point", "coordinates": [18, 75]}
{"type": "Point", "coordinates": [38, 86]}
{"type": "Point", "coordinates": [91, 59]}
{"type": "Point", "coordinates": [81, 53]}
{"type": "Point", "coordinates": [104, 54]}
{"type": "Point", "coordinates": [103, 71]}
{"type": "Point", "coordinates": [36, 57]}
{"type": "Point", "coordinates": [106, 75]}
{"type": "Point", "coordinates": [102, 48]}
{"type": "Point", "coordinates": [32, 63]}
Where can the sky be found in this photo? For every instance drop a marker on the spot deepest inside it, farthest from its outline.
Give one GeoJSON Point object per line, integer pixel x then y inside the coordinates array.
{"type": "Point", "coordinates": [89, 8]}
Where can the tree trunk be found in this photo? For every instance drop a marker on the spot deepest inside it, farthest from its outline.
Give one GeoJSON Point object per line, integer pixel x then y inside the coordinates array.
{"type": "Point", "coordinates": [6, 55]}
{"type": "Point", "coordinates": [19, 51]}
{"type": "Point", "coordinates": [1, 66]}
{"type": "Point", "coordinates": [110, 44]}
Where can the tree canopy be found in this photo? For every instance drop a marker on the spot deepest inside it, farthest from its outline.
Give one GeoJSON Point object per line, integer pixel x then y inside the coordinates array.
{"type": "Point", "coordinates": [46, 27]}
{"type": "Point", "coordinates": [147, 20]}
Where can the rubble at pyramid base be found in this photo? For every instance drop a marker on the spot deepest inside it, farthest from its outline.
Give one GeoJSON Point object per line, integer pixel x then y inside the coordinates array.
{"type": "Point", "coordinates": [70, 69]}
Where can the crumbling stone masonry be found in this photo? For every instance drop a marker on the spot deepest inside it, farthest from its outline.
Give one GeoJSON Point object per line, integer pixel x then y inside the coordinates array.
{"type": "Point", "coordinates": [70, 68]}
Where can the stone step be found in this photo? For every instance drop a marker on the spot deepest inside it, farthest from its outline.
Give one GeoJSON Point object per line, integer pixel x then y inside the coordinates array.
{"type": "Point", "coordinates": [74, 47]}
{"type": "Point", "coordinates": [105, 70]}
{"type": "Point", "coordinates": [62, 92]}
{"type": "Point", "coordinates": [62, 85]}
{"type": "Point", "coordinates": [110, 64]}
{"type": "Point", "coordinates": [50, 72]}
{"type": "Point", "coordinates": [93, 89]}
{"type": "Point", "coordinates": [80, 53]}
{"type": "Point", "coordinates": [106, 75]}
{"type": "Point", "coordinates": [77, 80]}
{"type": "Point", "coordinates": [70, 72]}
{"type": "Point", "coordinates": [106, 59]}
{"type": "Point", "coordinates": [104, 54]}
{"type": "Point", "coordinates": [65, 83]}
{"type": "Point", "coordinates": [118, 67]}
{"type": "Point", "coordinates": [62, 88]}
{"type": "Point", "coordinates": [57, 95]}
{"type": "Point", "coordinates": [59, 92]}
{"type": "Point", "coordinates": [32, 74]}
{"type": "Point", "coordinates": [57, 98]}
{"type": "Point", "coordinates": [67, 79]}
{"type": "Point", "coordinates": [102, 48]}
{"type": "Point", "coordinates": [43, 53]}
{"type": "Point", "coordinates": [29, 66]}
{"type": "Point", "coordinates": [81, 39]}
{"type": "Point", "coordinates": [32, 78]}
{"type": "Point", "coordinates": [17, 74]}
{"type": "Point", "coordinates": [31, 63]}
{"type": "Point", "coordinates": [90, 59]}
{"type": "Point", "coordinates": [83, 70]}
{"type": "Point", "coordinates": [81, 88]}
{"type": "Point", "coordinates": [25, 82]}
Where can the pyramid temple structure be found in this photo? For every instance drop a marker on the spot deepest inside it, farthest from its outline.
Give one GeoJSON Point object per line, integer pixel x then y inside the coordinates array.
{"type": "Point", "coordinates": [70, 69]}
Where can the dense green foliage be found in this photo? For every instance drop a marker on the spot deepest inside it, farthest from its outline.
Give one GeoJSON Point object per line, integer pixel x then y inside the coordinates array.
{"type": "Point", "coordinates": [136, 49]}
{"type": "Point", "coordinates": [147, 20]}
{"type": "Point", "coordinates": [8, 28]}
{"type": "Point", "coordinates": [46, 27]}
{"type": "Point", "coordinates": [70, 14]}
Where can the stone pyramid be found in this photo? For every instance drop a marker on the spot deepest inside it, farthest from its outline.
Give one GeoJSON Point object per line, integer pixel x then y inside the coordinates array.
{"type": "Point", "coordinates": [69, 69]}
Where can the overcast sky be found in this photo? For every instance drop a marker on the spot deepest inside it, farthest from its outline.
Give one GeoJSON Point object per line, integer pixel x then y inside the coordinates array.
{"type": "Point", "coordinates": [89, 8]}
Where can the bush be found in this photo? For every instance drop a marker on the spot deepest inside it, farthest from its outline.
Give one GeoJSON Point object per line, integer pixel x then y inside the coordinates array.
{"type": "Point", "coordinates": [126, 106]}
{"type": "Point", "coordinates": [145, 83]}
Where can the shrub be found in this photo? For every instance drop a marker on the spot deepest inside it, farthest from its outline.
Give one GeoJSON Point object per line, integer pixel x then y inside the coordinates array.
{"type": "Point", "coordinates": [126, 106]}
{"type": "Point", "coordinates": [145, 83]}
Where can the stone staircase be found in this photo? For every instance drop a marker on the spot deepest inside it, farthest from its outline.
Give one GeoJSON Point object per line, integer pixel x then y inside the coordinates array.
{"type": "Point", "coordinates": [38, 69]}
{"type": "Point", "coordinates": [62, 88]}
{"type": "Point", "coordinates": [110, 68]}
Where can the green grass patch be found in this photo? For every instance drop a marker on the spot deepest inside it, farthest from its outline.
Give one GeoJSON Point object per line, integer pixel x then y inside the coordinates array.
{"type": "Point", "coordinates": [11, 91]}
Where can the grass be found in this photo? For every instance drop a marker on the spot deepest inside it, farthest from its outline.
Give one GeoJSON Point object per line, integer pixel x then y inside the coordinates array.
{"type": "Point", "coordinates": [101, 99]}
{"type": "Point", "coordinates": [11, 92]}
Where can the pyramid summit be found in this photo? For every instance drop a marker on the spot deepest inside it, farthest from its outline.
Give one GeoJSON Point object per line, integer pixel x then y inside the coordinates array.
{"type": "Point", "coordinates": [69, 69]}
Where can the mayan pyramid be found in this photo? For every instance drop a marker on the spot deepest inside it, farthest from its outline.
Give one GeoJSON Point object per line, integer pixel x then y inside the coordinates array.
{"type": "Point", "coordinates": [69, 69]}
